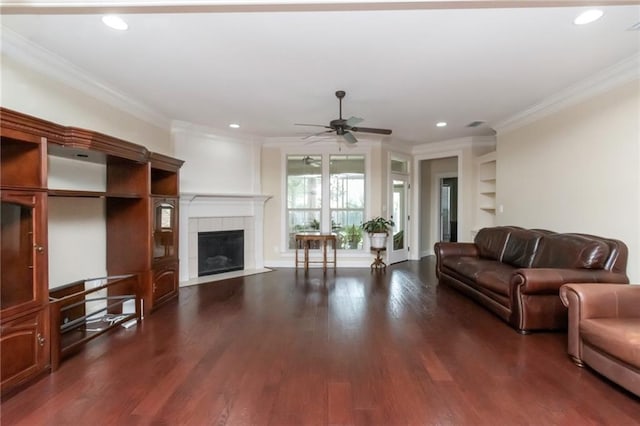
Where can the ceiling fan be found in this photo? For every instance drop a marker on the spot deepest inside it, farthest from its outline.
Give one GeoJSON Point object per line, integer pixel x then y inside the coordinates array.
{"type": "Point", "coordinates": [343, 127]}
{"type": "Point", "coordinates": [308, 161]}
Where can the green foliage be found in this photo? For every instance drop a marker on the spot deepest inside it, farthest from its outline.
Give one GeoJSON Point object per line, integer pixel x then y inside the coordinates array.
{"type": "Point", "coordinates": [352, 235]}
{"type": "Point", "coordinates": [378, 225]}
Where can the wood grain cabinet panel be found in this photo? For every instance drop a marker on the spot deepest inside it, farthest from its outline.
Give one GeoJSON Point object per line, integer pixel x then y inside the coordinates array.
{"type": "Point", "coordinates": [165, 282]}
{"type": "Point", "coordinates": [25, 347]}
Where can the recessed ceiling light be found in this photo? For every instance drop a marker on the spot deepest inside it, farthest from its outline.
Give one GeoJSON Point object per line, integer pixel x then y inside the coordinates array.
{"type": "Point", "coordinates": [441, 124]}
{"type": "Point", "coordinates": [234, 125]}
{"type": "Point", "coordinates": [115, 22]}
{"type": "Point", "coordinates": [588, 16]}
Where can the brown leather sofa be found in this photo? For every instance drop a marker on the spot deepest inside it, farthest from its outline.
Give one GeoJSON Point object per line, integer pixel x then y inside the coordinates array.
{"type": "Point", "coordinates": [517, 273]}
{"type": "Point", "coordinates": [604, 330]}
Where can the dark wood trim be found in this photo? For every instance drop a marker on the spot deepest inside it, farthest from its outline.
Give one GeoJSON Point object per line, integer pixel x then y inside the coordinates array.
{"type": "Point", "coordinates": [75, 137]}
{"type": "Point", "coordinates": [74, 193]}
{"type": "Point", "coordinates": [30, 125]}
{"type": "Point", "coordinates": [81, 138]}
{"type": "Point", "coordinates": [164, 162]}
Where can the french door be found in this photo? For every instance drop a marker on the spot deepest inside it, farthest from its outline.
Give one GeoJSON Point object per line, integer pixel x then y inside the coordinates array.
{"type": "Point", "coordinates": [398, 244]}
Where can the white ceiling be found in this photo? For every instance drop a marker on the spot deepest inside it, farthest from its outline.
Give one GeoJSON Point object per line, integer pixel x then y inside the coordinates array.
{"type": "Point", "coordinates": [402, 69]}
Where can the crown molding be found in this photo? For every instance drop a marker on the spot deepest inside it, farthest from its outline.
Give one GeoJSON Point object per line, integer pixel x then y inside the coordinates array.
{"type": "Point", "coordinates": [621, 73]}
{"type": "Point", "coordinates": [208, 6]}
{"type": "Point", "coordinates": [454, 144]}
{"type": "Point", "coordinates": [199, 130]}
{"type": "Point", "coordinates": [43, 61]}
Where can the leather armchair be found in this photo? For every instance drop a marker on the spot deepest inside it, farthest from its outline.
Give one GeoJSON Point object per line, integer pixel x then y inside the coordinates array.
{"type": "Point", "coordinates": [604, 330]}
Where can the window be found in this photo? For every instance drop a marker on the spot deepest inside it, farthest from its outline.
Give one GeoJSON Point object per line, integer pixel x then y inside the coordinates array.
{"type": "Point", "coordinates": [346, 209]}
{"type": "Point", "coordinates": [342, 211]}
{"type": "Point", "coordinates": [304, 195]}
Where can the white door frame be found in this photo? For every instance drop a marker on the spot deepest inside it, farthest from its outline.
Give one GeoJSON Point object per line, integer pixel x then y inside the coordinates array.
{"type": "Point", "coordinates": [436, 227]}
{"type": "Point", "coordinates": [403, 254]}
{"type": "Point", "coordinates": [416, 191]}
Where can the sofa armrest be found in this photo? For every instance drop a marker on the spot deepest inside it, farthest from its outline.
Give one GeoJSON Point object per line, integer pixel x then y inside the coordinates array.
{"type": "Point", "coordinates": [549, 280]}
{"type": "Point", "coordinates": [602, 300]}
{"type": "Point", "coordinates": [588, 300]}
{"type": "Point", "coordinates": [444, 249]}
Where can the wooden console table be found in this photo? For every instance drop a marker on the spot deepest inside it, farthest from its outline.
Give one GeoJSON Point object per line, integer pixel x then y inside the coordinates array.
{"type": "Point", "coordinates": [303, 240]}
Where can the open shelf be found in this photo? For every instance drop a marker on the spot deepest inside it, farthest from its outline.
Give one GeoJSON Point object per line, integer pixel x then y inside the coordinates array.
{"type": "Point", "coordinates": [75, 193]}
{"type": "Point", "coordinates": [21, 163]}
{"type": "Point", "coordinates": [83, 310]}
{"type": "Point", "coordinates": [123, 195]}
{"type": "Point", "coordinates": [485, 190]}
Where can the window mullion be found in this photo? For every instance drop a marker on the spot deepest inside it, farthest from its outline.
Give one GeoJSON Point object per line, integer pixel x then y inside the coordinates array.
{"type": "Point", "coordinates": [325, 225]}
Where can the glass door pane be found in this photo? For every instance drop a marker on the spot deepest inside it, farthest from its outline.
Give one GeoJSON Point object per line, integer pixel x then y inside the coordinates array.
{"type": "Point", "coordinates": [164, 244]}
{"type": "Point", "coordinates": [399, 213]}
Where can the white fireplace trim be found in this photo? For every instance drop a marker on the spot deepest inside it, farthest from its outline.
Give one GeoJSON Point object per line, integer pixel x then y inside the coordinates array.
{"type": "Point", "coordinates": [220, 212]}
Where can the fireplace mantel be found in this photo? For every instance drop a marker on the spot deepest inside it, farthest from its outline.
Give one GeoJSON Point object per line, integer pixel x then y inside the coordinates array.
{"type": "Point", "coordinates": [197, 209]}
{"type": "Point", "coordinates": [190, 196]}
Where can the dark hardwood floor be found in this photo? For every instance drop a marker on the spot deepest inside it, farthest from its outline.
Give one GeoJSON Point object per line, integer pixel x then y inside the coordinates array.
{"type": "Point", "coordinates": [351, 347]}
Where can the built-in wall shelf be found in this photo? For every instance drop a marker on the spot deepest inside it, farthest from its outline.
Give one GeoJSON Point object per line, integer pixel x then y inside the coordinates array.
{"type": "Point", "coordinates": [485, 190]}
{"type": "Point", "coordinates": [123, 195]}
{"type": "Point", "coordinates": [75, 193]}
{"type": "Point", "coordinates": [48, 174]}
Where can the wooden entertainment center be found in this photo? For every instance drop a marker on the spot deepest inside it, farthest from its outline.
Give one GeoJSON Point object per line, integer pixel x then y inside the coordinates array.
{"type": "Point", "coordinates": [141, 203]}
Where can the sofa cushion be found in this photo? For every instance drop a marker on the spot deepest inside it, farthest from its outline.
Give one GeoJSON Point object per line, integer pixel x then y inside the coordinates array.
{"type": "Point", "coordinates": [491, 241]}
{"type": "Point", "coordinates": [469, 266]}
{"type": "Point", "coordinates": [496, 279]}
{"type": "Point", "coordinates": [521, 248]}
{"type": "Point", "coordinates": [570, 251]}
{"type": "Point", "coordinates": [618, 337]}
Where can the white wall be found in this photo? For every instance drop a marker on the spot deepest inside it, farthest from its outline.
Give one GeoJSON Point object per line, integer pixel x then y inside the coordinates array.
{"type": "Point", "coordinates": [77, 239]}
{"type": "Point", "coordinates": [577, 170]}
{"type": "Point", "coordinates": [32, 93]}
{"type": "Point", "coordinates": [77, 226]}
{"type": "Point", "coordinates": [216, 163]}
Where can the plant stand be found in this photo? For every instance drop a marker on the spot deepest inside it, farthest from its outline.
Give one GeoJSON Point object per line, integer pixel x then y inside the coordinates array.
{"type": "Point", "coordinates": [378, 263]}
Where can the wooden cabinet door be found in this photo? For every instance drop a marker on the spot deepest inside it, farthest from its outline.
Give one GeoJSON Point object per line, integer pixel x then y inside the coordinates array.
{"type": "Point", "coordinates": [23, 257]}
{"type": "Point", "coordinates": [165, 282]}
{"type": "Point", "coordinates": [24, 339]}
{"type": "Point", "coordinates": [25, 347]}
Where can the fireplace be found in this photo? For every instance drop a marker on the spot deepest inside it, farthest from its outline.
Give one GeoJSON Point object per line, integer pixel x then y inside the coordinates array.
{"type": "Point", "coordinates": [220, 251]}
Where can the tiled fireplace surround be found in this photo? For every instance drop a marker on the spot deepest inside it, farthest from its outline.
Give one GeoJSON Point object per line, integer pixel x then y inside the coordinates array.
{"type": "Point", "coordinates": [220, 212]}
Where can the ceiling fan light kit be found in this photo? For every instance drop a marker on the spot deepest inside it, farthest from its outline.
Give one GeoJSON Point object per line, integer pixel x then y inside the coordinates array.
{"type": "Point", "coordinates": [345, 128]}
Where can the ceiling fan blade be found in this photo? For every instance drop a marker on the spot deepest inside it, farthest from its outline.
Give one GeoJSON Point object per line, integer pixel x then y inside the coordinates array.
{"type": "Point", "coordinates": [324, 132]}
{"type": "Point", "coordinates": [348, 136]}
{"type": "Point", "coordinates": [371, 130]}
{"type": "Point", "coordinates": [312, 125]}
{"type": "Point", "coordinates": [352, 121]}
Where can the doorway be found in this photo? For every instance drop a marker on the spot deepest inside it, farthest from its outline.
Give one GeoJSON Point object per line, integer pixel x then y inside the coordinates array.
{"type": "Point", "coordinates": [399, 214]}
{"type": "Point", "coordinates": [448, 202]}
{"type": "Point", "coordinates": [431, 171]}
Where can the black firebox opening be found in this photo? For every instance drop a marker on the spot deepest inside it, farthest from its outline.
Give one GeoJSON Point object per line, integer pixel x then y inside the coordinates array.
{"type": "Point", "coordinates": [220, 251]}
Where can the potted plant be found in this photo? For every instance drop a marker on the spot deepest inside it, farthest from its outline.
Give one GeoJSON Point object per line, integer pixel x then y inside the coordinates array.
{"type": "Point", "coordinates": [352, 236]}
{"type": "Point", "coordinates": [378, 230]}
